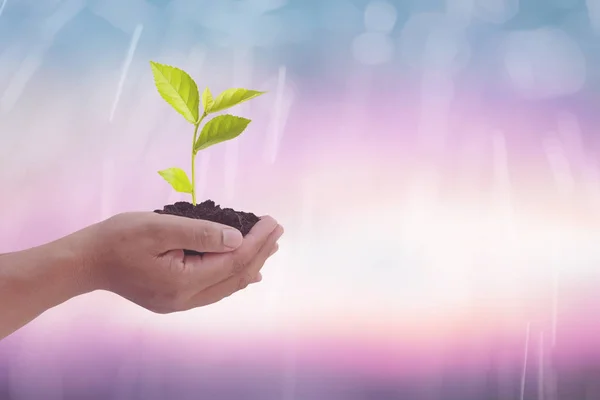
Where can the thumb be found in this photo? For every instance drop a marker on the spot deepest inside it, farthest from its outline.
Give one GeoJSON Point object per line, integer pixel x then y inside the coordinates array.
{"type": "Point", "coordinates": [182, 233]}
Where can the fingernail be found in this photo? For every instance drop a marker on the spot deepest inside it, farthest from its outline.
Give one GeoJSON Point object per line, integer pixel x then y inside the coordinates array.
{"type": "Point", "coordinates": [280, 231]}
{"type": "Point", "coordinates": [232, 238]}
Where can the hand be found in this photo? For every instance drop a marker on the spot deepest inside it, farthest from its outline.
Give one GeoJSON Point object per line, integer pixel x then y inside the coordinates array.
{"type": "Point", "coordinates": [140, 257]}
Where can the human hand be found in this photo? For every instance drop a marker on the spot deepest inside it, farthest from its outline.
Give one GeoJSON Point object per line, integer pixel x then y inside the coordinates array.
{"type": "Point", "coordinates": [140, 257]}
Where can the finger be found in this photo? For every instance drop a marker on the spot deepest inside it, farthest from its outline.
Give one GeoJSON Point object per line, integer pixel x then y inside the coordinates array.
{"type": "Point", "coordinates": [175, 233]}
{"type": "Point", "coordinates": [259, 276]}
{"type": "Point", "coordinates": [274, 249]}
{"type": "Point", "coordinates": [215, 268]}
{"type": "Point", "coordinates": [240, 280]}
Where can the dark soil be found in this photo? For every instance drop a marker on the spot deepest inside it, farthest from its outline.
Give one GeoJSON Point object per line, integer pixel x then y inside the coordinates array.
{"type": "Point", "coordinates": [210, 211]}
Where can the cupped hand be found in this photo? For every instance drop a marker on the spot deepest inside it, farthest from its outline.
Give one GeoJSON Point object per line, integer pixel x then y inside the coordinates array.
{"type": "Point", "coordinates": [140, 257]}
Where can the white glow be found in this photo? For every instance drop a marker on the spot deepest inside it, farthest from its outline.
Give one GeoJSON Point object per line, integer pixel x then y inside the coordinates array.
{"type": "Point", "coordinates": [340, 16]}
{"type": "Point", "coordinates": [496, 11]}
{"type": "Point", "coordinates": [22, 77]}
{"type": "Point", "coordinates": [263, 6]}
{"type": "Point", "coordinates": [525, 356]}
{"type": "Point", "coordinates": [280, 113]}
{"type": "Point", "coordinates": [460, 10]}
{"type": "Point", "coordinates": [2, 6]}
{"type": "Point", "coordinates": [380, 16]}
{"type": "Point", "coordinates": [434, 41]}
{"type": "Point", "coordinates": [544, 63]}
{"type": "Point", "coordinates": [559, 165]}
{"type": "Point", "coordinates": [373, 48]}
{"type": "Point", "coordinates": [51, 26]}
{"type": "Point", "coordinates": [127, 63]}
{"type": "Point", "coordinates": [593, 7]}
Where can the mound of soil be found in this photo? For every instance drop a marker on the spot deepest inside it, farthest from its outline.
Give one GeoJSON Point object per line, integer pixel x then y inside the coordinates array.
{"type": "Point", "coordinates": [210, 211]}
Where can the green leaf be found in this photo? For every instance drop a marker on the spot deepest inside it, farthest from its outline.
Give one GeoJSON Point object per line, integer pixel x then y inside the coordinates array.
{"type": "Point", "coordinates": [233, 97]}
{"type": "Point", "coordinates": [178, 179]}
{"type": "Point", "coordinates": [207, 100]}
{"type": "Point", "coordinates": [220, 129]}
{"type": "Point", "coordinates": [178, 89]}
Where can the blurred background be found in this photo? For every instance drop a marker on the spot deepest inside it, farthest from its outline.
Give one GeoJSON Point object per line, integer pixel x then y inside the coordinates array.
{"type": "Point", "coordinates": [434, 163]}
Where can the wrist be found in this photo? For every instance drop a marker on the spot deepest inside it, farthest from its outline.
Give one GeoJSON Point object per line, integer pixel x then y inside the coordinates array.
{"type": "Point", "coordinates": [58, 270]}
{"type": "Point", "coordinates": [68, 268]}
{"type": "Point", "coordinates": [54, 270]}
{"type": "Point", "coordinates": [39, 278]}
{"type": "Point", "coordinates": [78, 260]}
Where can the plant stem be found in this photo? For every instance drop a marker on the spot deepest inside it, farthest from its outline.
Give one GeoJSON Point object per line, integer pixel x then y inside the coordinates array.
{"type": "Point", "coordinates": [196, 126]}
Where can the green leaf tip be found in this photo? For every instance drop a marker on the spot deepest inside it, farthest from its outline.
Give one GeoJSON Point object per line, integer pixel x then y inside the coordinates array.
{"type": "Point", "coordinates": [220, 129]}
{"type": "Point", "coordinates": [178, 89]}
{"type": "Point", "coordinates": [233, 97]}
{"type": "Point", "coordinates": [178, 179]}
{"type": "Point", "coordinates": [207, 100]}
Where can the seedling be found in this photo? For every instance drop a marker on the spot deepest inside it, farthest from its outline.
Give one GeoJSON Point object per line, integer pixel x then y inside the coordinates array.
{"type": "Point", "coordinates": [178, 89]}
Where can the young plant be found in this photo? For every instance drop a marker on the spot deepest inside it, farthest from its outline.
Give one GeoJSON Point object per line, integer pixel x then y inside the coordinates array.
{"type": "Point", "coordinates": [178, 89]}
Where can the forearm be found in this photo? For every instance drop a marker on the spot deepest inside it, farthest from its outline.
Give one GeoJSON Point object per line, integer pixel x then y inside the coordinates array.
{"type": "Point", "coordinates": [35, 280]}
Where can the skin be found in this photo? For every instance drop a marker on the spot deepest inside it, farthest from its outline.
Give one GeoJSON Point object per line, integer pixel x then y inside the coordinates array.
{"type": "Point", "coordinates": [138, 256]}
